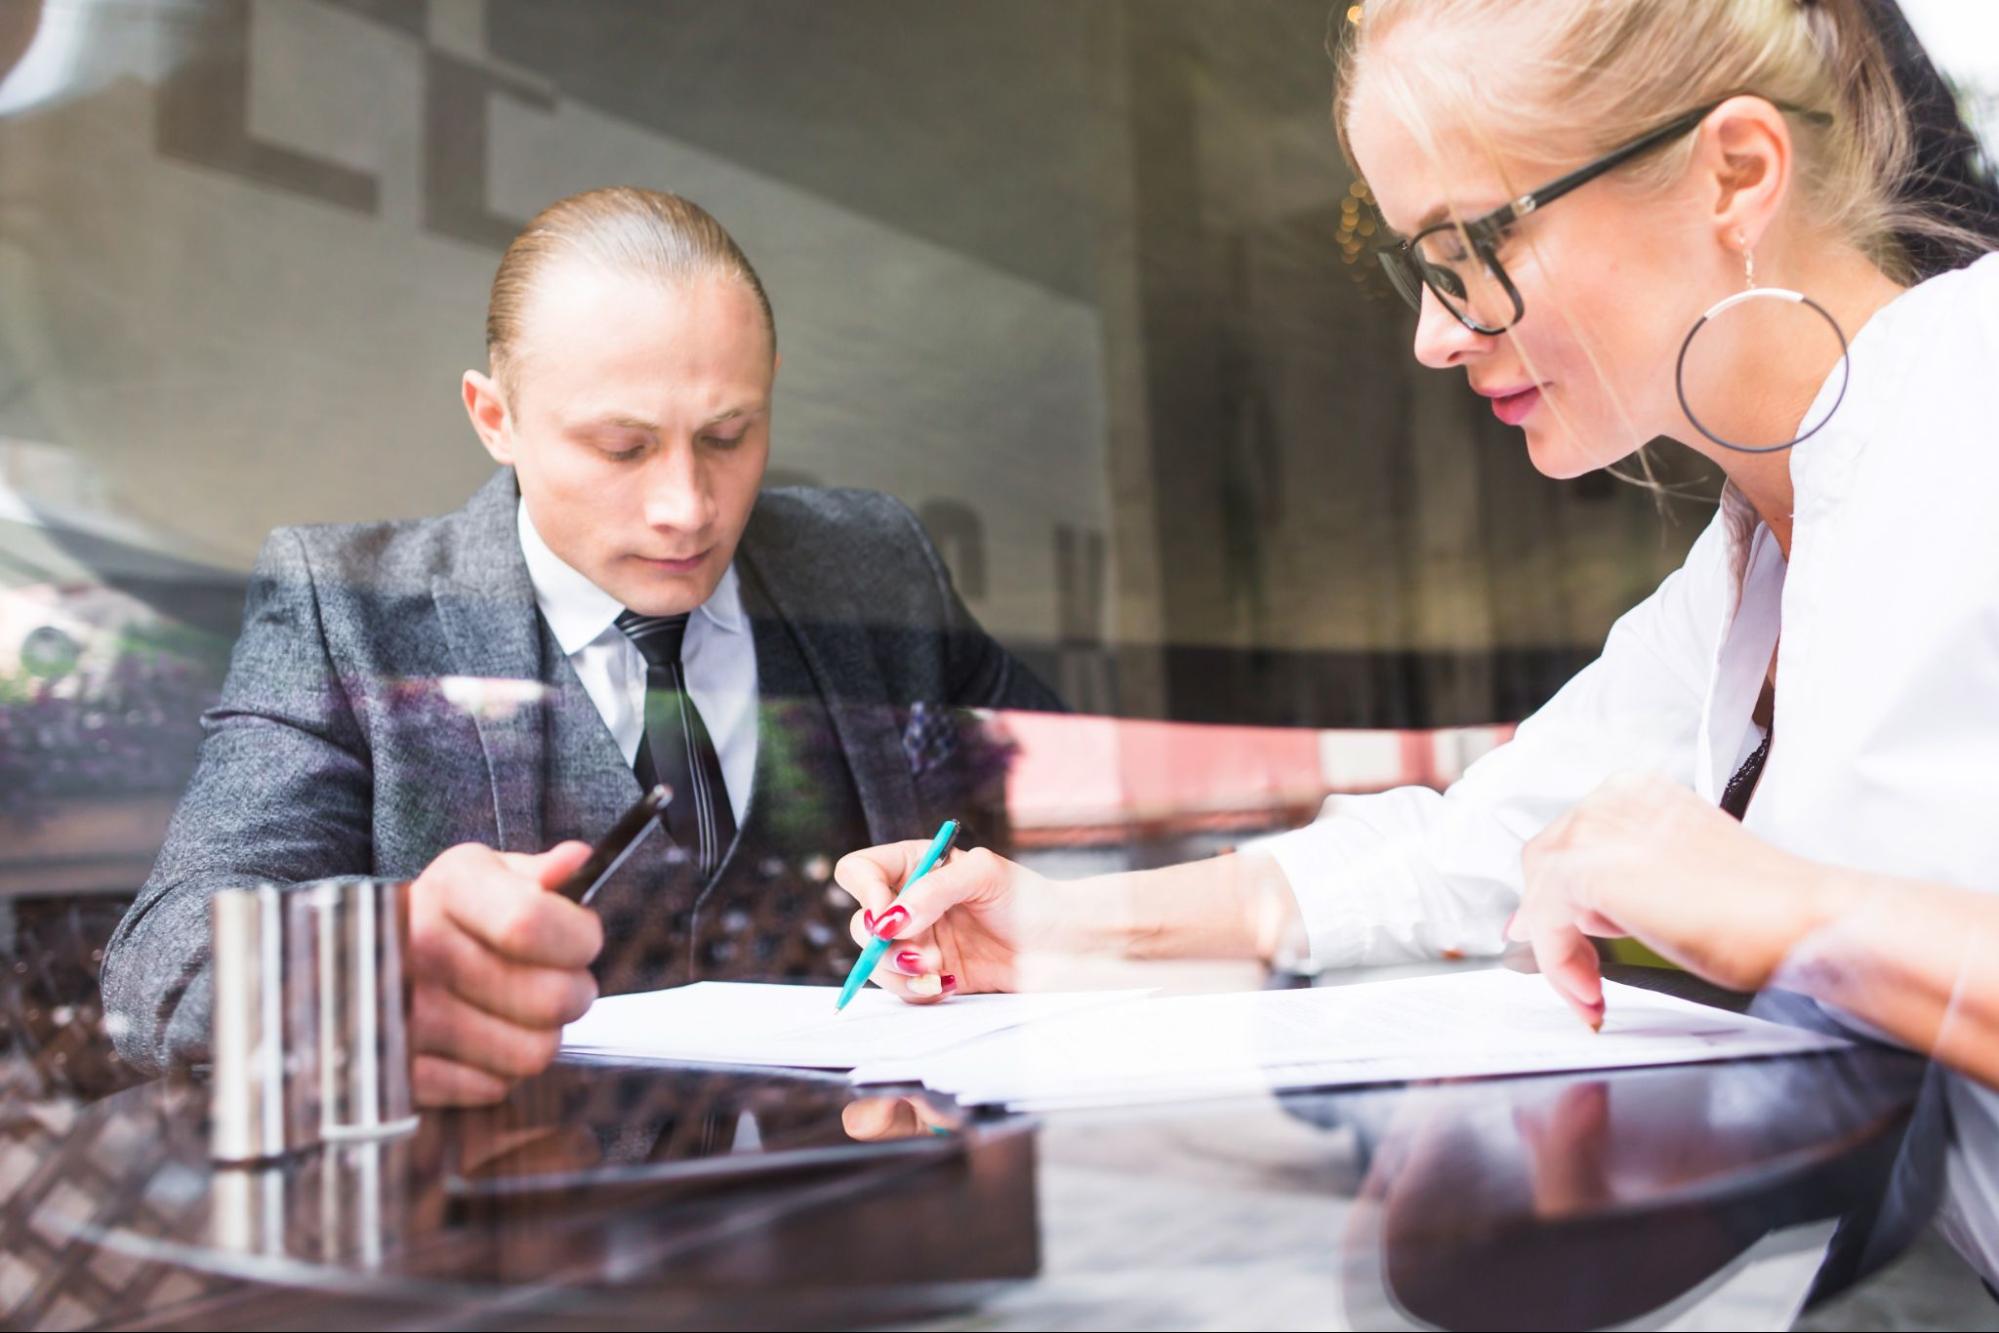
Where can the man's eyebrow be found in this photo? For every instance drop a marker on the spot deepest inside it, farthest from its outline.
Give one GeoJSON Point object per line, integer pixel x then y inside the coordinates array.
{"type": "Point", "coordinates": [620, 422]}
{"type": "Point", "coordinates": [732, 414]}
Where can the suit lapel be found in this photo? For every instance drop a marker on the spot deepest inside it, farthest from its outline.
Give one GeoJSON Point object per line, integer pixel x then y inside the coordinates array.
{"type": "Point", "coordinates": [832, 639]}
{"type": "Point", "coordinates": [486, 609]}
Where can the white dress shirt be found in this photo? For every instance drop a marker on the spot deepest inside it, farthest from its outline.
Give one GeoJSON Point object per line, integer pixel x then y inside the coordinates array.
{"type": "Point", "coordinates": [719, 656]}
{"type": "Point", "coordinates": [1886, 754]}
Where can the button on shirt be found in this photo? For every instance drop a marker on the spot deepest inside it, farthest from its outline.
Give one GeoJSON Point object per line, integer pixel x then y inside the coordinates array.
{"type": "Point", "coordinates": [1887, 733]}
{"type": "Point", "coordinates": [719, 657]}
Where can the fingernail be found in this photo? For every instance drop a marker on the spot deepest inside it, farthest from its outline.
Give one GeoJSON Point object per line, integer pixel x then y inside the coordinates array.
{"type": "Point", "coordinates": [1590, 1014]}
{"type": "Point", "coordinates": [930, 985]}
{"type": "Point", "coordinates": [867, 918]}
{"type": "Point", "coordinates": [909, 961]}
{"type": "Point", "coordinates": [950, 982]}
{"type": "Point", "coordinates": [889, 922]}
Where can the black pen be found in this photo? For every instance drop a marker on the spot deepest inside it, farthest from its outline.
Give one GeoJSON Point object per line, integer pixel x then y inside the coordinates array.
{"type": "Point", "coordinates": [612, 849]}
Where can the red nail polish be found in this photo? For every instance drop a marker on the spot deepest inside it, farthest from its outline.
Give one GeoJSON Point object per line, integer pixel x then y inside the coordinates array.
{"type": "Point", "coordinates": [910, 961]}
{"type": "Point", "coordinates": [889, 922]}
{"type": "Point", "coordinates": [867, 918]}
{"type": "Point", "coordinates": [950, 982]}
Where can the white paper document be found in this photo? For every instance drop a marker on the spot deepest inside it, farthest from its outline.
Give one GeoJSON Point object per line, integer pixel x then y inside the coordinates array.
{"type": "Point", "coordinates": [1460, 1025]}
{"type": "Point", "coordinates": [743, 1023]}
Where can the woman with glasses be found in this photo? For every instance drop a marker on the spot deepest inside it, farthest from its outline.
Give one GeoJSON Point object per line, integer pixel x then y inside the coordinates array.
{"type": "Point", "coordinates": [1622, 220]}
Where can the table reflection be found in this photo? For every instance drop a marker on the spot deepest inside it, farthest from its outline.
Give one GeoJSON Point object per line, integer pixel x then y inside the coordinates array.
{"type": "Point", "coordinates": [1593, 1200]}
{"type": "Point", "coordinates": [683, 1195]}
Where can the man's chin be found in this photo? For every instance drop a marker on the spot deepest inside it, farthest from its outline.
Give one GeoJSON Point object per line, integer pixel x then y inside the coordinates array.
{"type": "Point", "coordinates": [653, 589]}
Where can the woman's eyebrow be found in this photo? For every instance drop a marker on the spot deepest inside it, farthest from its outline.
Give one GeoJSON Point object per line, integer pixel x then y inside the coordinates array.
{"type": "Point", "coordinates": [1444, 213]}
{"type": "Point", "coordinates": [1428, 220]}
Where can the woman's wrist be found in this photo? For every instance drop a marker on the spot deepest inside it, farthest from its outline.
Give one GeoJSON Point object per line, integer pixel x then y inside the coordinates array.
{"type": "Point", "coordinates": [1235, 906]}
{"type": "Point", "coordinates": [1836, 894]}
{"type": "Point", "coordinates": [1805, 905]}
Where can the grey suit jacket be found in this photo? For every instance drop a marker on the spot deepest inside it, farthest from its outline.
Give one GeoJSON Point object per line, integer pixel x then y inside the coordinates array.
{"type": "Point", "coordinates": [334, 749]}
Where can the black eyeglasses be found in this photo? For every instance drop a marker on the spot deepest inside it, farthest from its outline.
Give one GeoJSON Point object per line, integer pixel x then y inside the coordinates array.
{"type": "Point", "coordinates": [1459, 262]}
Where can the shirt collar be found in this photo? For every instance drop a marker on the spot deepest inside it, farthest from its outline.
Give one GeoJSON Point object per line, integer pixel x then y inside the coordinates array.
{"type": "Point", "coordinates": [724, 607]}
{"type": "Point", "coordinates": [578, 611]}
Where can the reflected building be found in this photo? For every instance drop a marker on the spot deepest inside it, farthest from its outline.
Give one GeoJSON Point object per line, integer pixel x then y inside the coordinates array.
{"type": "Point", "coordinates": [1086, 286]}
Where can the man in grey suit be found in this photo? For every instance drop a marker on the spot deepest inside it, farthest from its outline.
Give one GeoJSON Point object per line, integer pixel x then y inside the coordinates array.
{"type": "Point", "coordinates": [464, 701]}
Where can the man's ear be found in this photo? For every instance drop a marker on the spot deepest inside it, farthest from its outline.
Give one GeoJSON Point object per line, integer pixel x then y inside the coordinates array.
{"type": "Point", "coordinates": [486, 405]}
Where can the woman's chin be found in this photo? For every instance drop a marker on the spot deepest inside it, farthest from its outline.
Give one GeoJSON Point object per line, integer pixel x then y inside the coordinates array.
{"type": "Point", "coordinates": [1557, 455]}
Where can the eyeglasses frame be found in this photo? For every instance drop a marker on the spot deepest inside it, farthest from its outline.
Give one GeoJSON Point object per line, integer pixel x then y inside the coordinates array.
{"type": "Point", "coordinates": [1484, 232]}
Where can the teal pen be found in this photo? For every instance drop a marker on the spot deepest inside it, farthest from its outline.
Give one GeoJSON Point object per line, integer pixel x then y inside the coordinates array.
{"type": "Point", "coordinates": [864, 966]}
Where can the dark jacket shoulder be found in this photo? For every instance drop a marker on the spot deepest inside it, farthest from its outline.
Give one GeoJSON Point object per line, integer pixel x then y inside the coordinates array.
{"type": "Point", "coordinates": [405, 555]}
{"type": "Point", "coordinates": [863, 544]}
{"type": "Point", "coordinates": [856, 571]}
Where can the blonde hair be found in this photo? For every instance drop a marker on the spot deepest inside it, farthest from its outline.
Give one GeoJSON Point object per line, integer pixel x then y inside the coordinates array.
{"type": "Point", "coordinates": [1595, 74]}
{"type": "Point", "coordinates": [625, 228]}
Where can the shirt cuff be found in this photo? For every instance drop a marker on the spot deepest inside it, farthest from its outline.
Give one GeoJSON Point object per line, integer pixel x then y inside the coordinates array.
{"type": "Point", "coordinates": [1333, 908]}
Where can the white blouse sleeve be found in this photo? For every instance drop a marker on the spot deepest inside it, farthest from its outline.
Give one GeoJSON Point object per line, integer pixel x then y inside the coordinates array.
{"type": "Point", "coordinates": [1417, 874]}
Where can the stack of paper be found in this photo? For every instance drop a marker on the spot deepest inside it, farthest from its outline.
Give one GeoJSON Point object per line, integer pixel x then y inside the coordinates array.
{"type": "Point", "coordinates": [737, 1023]}
{"type": "Point", "coordinates": [1459, 1025]}
{"type": "Point", "coordinates": [1118, 1047]}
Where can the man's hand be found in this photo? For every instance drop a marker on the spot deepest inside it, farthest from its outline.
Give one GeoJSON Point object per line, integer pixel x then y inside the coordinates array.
{"type": "Point", "coordinates": [498, 964]}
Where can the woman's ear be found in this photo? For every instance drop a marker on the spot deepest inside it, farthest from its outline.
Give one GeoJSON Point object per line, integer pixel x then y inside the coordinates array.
{"type": "Point", "coordinates": [1744, 160]}
{"type": "Point", "coordinates": [486, 405]}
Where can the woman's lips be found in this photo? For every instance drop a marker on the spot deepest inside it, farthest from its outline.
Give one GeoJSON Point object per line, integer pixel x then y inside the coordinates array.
{"type": "Point", "coordinates": [1514, 408]}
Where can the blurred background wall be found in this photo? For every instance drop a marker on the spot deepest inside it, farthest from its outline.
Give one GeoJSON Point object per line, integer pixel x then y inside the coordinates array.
{"type": "Point", "coordinates": [1086, 284]}
{"type": "Point", "coordinates": [1067, 278]}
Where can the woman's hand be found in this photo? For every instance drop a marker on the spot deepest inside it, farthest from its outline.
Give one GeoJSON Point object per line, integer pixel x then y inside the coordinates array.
{"type": "Point", "coordinates": [1644, 857]}
{"type": "Point", "coordinates": [875, 1119]}
{"type": "Point", "coordinates": [962, 928]}
{"type": "Point", "coordinates": [978, 922]}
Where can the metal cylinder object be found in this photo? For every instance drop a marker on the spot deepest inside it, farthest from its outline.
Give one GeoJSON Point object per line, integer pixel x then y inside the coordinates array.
{"type": "Point", "coordinates": [364, 1007]}
{"type": "Point", "coordinates": [364, 1193]}
{"type": "Point", "coordinates": [264, 1052]}
{"type": "Point", "coordinates": [250, 1210]}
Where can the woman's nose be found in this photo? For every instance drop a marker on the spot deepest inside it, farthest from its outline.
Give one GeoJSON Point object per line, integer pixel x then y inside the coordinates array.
{"type": "Point", "coordinates": [1442, 340]}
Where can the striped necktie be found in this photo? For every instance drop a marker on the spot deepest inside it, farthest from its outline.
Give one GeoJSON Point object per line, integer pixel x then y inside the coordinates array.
{"type": "Point", "coordinates": [676, 748]}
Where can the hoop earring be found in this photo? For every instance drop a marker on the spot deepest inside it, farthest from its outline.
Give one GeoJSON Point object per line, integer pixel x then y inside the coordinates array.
{"type": "Point", "coordinates": [1751, 292]}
